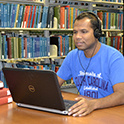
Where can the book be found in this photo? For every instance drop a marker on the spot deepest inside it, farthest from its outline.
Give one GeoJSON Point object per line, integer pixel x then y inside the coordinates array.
{"type": "Point", "coordinates": [0, 46]}
{"type": "Point", "coordinates": [4, 92]}
{"type": "Point", "coordinates": [14, 10]}
{"type": "Point", "coordinates": [62, 17]}
{"type": "Point", "coordinates": [5, 15]}
{"type": "Point", "coordinates": [5, 100]}
{"type": "Point", "coordinates": [100, 15]}
{"type": "Point", "coordinates": [1, 84]}
{"type": "Point", "coordinates": [19, 48]}
{"type": "Point", "coordinates": [71, 16]}
{"type": "Point", "coordinates": [24, 16]}
{"type": "Point", "coordinates": [17, 14]}
{"type": "Point", "coordinates": [68, 17]}
{"type": "Point", "coordinates": [2, 15]}
{"type": "Point", "coordinates": [34, 14]}
{"type": "Point", "coordinates": [4, 47]}
{"type": "Point", "coordinates": [57, 15]}
{"type": "Point", "coordinates": [25, 47]}
{"type": "Point", "coordinates": [39, 17]}
{"type": "Point", "coordinates": [20, 16]}
{"type": "Point", "coordinates": [50, 17]}
{"type": "Point", "coordinates": [8, 14]}
{"type": "Point", "coordinates": [36, 17]}
{"type": "Point", "coordinates": [27, 15]}
{"type": "Point", "coordinates": [9, 51]}
{"type": "Point", "coordinates": [44, 17]}
{"type": "Point", "coordinates": [30, 16]}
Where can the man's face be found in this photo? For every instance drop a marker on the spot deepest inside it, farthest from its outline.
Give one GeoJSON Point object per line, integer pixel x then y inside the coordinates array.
{"type": "Point", "coordinates": [83, 34]}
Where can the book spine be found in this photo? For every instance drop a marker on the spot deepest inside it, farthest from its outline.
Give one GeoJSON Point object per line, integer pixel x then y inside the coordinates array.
{"type": "Point", "coordinates": [1, 84]}
{"type": "Point", "coordinates": [30, 16]}
{"type": "Point", "coordinates": [5, 100]}
{"type": "Point", "coordinates": [8, 14]}
{"type": "Point", "coordinates": [27, 15]}
{"type": "Point", "coordinates": [62, 17]}
{"type": "Point", "coordinates": [25, 47]}
{"type": "Point", "coordinates": [9, 48]}
{"type": "Point", "coordinates": [34, 17]}
{"type": "Point", "coordinates": [4, 92]}
{"type": "Point", "coordinates": [16, 15]}
{"type": "Point", "coordinates": [2, 15]}
{"type": "Point", "coordinates": [5, 15]}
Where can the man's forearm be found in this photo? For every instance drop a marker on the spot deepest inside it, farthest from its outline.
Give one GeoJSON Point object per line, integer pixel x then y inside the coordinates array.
{"type": "Point", "coordinates": [117, 98]}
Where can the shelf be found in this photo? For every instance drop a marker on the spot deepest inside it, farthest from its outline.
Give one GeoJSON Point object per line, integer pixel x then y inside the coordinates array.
{"type": "Point", "coordinates": [49, 29]}
{"type": "Point", "coordinates": [112, 30]}
{"type": "Point", "coordinates": [33, 29]}
{"type": "Point", "coordinates": [89, 4]}
{"type": "Point", "coordinates": [32, 59]}
{"type": "Point", "coordinates": [68, 86]}
{"type": "Point", "coordinates": [23, 2]}
{"type": "Point", "coordinates": [76, 2]}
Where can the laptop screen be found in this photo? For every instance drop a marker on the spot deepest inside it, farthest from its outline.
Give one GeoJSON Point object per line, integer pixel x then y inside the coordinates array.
{"type": "Point", "coordinates": [34, 87]}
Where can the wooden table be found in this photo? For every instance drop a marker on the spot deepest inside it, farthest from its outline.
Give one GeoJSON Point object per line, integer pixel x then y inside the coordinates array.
{"type": "Point", "coordinates": [11, 114]}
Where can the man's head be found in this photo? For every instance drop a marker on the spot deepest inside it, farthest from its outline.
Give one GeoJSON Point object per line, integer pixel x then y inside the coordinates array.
{"type": "Point", "coordinates": [95, 22]}
{"type": "Point", "coordinates": [86, 31]}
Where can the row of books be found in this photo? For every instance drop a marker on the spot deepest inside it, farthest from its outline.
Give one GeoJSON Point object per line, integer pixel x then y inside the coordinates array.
{"type": "Point", "coordinates": [32, 16]}
{"type": "Point", "coordinates": [16, 15]}
{"type": "Point", "coordinates": [23, 47]}
{"type": "Point", "coordinates": [114, 41]}
{"type": "Point", "coordinates": [34, 46]}
{"type": "Point", "coordinates": [38, 46]}
{"type": "Point", "coordinates": [5, 95]}
{"type": "Point", "coordinates": [111, 20]}
{"type": "Point", "coordinates": [119, 1]}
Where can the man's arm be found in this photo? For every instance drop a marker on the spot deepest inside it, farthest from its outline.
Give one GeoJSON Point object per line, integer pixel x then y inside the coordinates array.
{"type": "Point", "coordinates": [60, 80]}
{"type": "Point", "coordinates": [84, 106]}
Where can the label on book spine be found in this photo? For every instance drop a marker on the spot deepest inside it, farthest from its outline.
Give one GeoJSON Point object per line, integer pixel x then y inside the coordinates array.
{"type": "Point", "coordinates": [10, 100]}
{"type": "Point", "coordinates": [8, 92]}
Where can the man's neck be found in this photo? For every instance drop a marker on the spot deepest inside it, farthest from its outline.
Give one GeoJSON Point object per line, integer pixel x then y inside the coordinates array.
{"type": "Point", "coordinates": [91, 52]}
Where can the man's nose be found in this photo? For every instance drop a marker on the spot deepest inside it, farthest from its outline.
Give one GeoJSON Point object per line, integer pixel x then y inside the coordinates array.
{"type": "Point", "coordinates": [78, 35]}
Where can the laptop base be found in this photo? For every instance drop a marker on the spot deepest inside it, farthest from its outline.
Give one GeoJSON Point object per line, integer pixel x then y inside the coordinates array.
{"type": "Point", "coordinates": [65, 112]}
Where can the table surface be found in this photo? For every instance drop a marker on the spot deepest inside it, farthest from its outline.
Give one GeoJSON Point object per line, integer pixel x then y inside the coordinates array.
{"type": "Point", "coordinates": [11, 114]}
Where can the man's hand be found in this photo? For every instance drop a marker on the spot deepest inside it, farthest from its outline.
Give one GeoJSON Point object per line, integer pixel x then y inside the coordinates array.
{"type": "Point", "coordinates": [82, 108]}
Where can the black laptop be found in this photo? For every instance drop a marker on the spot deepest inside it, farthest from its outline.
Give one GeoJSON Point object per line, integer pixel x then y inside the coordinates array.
{"type": "Point", "coordinates": [36, 89]}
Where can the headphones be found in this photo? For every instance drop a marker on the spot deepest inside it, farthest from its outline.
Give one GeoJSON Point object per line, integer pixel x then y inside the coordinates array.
{"type": "Point", "coordinates": [98, 30]}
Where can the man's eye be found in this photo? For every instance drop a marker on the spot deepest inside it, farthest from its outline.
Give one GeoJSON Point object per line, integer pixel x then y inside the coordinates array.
{"type": "Point", "coordinates": [74, 32]}
{"type": "Point", "coordinates": [84, 31]}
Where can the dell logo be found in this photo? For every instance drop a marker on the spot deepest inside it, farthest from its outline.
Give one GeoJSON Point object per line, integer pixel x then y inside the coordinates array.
{"type": "Point", "coordinates": [31, 88]}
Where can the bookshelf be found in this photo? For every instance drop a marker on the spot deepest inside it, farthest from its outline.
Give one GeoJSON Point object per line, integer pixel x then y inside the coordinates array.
{"type": "Point", "coordinates": [34, 2]}
{"type": "Point", "coordinates": [90, 5]}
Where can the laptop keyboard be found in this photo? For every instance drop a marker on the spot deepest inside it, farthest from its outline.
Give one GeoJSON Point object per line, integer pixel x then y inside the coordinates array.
{"type": "Point", "coordinates": [69, 103]}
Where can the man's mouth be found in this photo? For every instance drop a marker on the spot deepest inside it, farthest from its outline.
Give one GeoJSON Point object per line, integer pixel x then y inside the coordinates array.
{"type": "Point", "coordinates": [80, 43]}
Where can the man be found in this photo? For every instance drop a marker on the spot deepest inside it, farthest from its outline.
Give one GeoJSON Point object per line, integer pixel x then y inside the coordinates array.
{"type": "Point", "coordinates": [97, 69]}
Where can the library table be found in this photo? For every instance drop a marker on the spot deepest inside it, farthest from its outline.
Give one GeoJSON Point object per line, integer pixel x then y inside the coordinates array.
{"type": "Point", "coordinates": [11, 114]}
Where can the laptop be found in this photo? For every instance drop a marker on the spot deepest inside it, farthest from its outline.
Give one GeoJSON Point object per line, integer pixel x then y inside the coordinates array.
{"type": "Point", "coordinates": [36, 89]}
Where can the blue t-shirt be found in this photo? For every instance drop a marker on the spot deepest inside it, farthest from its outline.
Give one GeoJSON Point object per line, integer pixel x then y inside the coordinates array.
{"type": "Point", "coordinates": [105, 70]}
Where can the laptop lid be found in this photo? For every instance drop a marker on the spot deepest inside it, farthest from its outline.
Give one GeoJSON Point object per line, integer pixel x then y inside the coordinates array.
{"type": "Point", "coordinates": [39, 88]}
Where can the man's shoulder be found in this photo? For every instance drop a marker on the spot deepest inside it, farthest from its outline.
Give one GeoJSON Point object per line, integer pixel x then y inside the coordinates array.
{"type": "Point", "coordinates": [109, 50]}
{"type": "Point", "coordinates": [73, 52]}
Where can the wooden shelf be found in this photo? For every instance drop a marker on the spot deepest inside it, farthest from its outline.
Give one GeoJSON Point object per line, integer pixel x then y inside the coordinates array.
{"type": "Point", "coordinates": [49, 29]}
{"type": "Point", "coordinates": [13, 60]}
{"type": "Point", "coordinates": [23, 2]}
